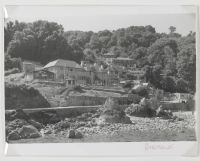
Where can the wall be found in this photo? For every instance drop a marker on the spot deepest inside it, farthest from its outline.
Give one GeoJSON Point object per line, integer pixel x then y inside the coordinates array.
{"type": "Point", "coordinates": [179, 106]}
{"type": "Point", "coordinates": [91, 101]}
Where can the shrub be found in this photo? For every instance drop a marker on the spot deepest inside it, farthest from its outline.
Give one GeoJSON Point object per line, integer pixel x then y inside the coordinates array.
{"type": "Point", "coordinates": [12, 63]}
{"type": "Point", "coordinates": [23, 96]}
{"type": "Point", "coordinates": [141, 110]}
{"type": "Point", "coordinates": [141, 91]}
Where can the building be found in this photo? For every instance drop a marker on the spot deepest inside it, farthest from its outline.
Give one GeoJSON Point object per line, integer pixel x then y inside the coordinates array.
{"type": "Point", "coordinates": [70, 82]}
{"type": "Point", "coordinates": [44, 75]}
{"type": "Point", "coordinates": [63, 69]}
{"type": "Point", "coordinates": [125, 62]}
{"type": "Point", "coordinates": [109, 57]}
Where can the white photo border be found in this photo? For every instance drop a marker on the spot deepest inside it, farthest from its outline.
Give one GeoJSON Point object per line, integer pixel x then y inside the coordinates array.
{"type": "Point", "coordinates": [127, 149]}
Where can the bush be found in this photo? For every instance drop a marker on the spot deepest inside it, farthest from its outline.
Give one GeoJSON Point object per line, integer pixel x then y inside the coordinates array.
{"type": "Point", "coordinates": [23, 96]}
{"type": "Point", "coordinates": [11, 63]}
{"type": "Point", "coordinates": [141, 110]}
{"type": "Point", "coordinates": [12, 71]}
{"type": "Point", "coordinates": [181, 85]}
{"type": "Point", "coordinates": [141, 91]}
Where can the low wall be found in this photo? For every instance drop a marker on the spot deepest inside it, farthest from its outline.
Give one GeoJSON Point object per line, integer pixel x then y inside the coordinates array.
{"type": "Point", "coordinates": [91, 100]}
{"type": "Point", "coordinates": [105, 90]}
{"type": "Point", "coordinates": [179, 106]}
{"type": "Point", "coordinates": [62, 111]}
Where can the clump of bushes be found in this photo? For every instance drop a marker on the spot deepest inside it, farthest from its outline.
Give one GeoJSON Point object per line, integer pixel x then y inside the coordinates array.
{"type": "Point", "coordinates": [11, 63]}
{"type": "Point", "coordinates": [141, 91]}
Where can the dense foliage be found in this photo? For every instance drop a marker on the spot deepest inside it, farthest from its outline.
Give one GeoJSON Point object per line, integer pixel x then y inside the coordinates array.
{"type": "Point", "coordinates": [169, 58]}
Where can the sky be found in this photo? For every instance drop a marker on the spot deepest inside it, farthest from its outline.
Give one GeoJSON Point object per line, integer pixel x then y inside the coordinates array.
{"type": "Point", "coordinates": [104, 17]}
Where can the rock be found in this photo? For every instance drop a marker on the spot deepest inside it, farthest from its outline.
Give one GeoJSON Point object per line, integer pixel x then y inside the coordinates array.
{"type": "Point", "coordinates": [140, 110]}
{"type": "Point", "coordinates": [46, 117]}
{"type": "Point", "coordinates": [143, 102]}
{"type": "Point", "coordinates": [112, 113]}
{"type": "Point", "coordinates": [47, 131]}
{"type": "Point", "coordinates": [13, 136]}
{"type": "Point", "coordinates": [9, 115]}
{"type": "Point", "coordinates": [62, 125]}
{"type": "Point", "coordinates": [126, 120]}
{"type": "Point", "coordinates": [71, 134]}
{"type": "Point", "coordinates": [164, 113]}
{"type": "Point", "coordinates": [36, 124]}
{"type": "Point", "coordinates": [78, 135]}
{"type": "Point", "coordinates": [13, 125]}
{"type": "Point", "coordinates": [96, 115]}
{"type": "Point", "coordinates": [28, 131]}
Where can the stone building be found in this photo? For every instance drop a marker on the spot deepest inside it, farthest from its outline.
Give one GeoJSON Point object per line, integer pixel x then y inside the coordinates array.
{"type": "Point", "coordinates": [63, 69]}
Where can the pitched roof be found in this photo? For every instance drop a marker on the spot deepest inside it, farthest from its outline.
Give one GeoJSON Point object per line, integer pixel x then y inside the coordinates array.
{"type": "Point", "coordinates": [63, 63]}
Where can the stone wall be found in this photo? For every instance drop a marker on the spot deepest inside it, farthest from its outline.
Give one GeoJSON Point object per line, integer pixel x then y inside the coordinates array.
{"type": "Point", "coordinates": [179, 106]}
{"type": "Point", "coordinates": [92, 101]}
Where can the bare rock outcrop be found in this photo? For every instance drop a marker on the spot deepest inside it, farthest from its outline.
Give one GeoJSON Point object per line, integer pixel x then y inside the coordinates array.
{"type": "Point", "coordinates": [112, 113]}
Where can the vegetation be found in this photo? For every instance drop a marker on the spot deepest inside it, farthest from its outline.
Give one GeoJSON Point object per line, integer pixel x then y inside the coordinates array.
{"type": "Point", "coordinates": [23, 96]}
{"type": "Point", "coordinates": [169, 59]}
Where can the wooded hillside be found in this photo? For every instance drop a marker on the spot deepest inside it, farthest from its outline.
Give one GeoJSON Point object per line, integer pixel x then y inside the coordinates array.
{"type": "Point", "coordinates": [171, 54]}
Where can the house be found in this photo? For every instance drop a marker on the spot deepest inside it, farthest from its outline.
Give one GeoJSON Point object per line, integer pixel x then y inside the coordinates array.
{"type": "Point", "coordinates": [125, 62]}
{"type": "Point", "coordinates": [67, 68]}
{"type": "Point", "coordinates": [70, 82]}
{"type": "Point", "coordinates": [109, 57]}
{"type": "Point", "coordinates": [30, 66]}
{"type": "Point", "coordinates": [44, 75]}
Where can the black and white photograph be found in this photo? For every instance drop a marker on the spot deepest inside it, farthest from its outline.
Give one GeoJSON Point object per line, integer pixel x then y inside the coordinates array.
{"type": "Point", "coordinates": [76, 75]}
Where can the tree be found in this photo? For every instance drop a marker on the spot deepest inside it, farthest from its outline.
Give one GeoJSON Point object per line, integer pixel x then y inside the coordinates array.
{"type": "Point", "coordinates": [181, 85]}
{"type": "Point", "coordinates": [89, 55]}
{"type": "Point", "coordinates": [172, 29]}
{"type": "Point", "coordinates": [153, 75]}
{"type": "Point", "coordinates": [168, 84]}
{"type": "Point", "coordinates": [186, 65]}
{"type": "Point", "coordinates": [157, 51]}
{"type": "Point", "coordinates": [42, 41]}
{"type": "Point", "coordinates": [12, 63]}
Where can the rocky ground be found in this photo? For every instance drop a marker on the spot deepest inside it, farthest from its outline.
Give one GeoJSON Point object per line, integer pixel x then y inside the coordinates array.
{"type": "Point", "coordinates": [88, 128]}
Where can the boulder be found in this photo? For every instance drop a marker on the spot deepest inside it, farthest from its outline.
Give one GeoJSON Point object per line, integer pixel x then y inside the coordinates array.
{"type": "Point", "coordinates": [35, 124]}
{"type": "Point", "coordinates": [62, 125]}
{"type": "Point", "coordinates": [9, 115]}
{"type": "Point", "coordinates": [17, 123]}
{"type": "Point", "coordinates": [46, 117]}
{"type": "Point", "coordinates": [28, 131]}
{"type": "Point", "coordinates": [71, 134]}
{"type": "Point", "coordinates": [164, 113]}
{"type": "Point", "coordinates": [13, 136]}
{"type": "Point", "coordinates": [140, 110]}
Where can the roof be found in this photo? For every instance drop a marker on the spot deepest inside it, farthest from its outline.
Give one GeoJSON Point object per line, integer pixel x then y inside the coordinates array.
{"type": "Point", "coordinates": [42, 70]}
{"type": "Point", "coordinates": [122, 58]}
{"type": "Point", "coordinates": [63, 63]}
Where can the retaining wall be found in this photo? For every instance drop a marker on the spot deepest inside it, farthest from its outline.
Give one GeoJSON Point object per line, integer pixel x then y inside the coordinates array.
{"type": "Point", "coordinates": [91, 100]}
